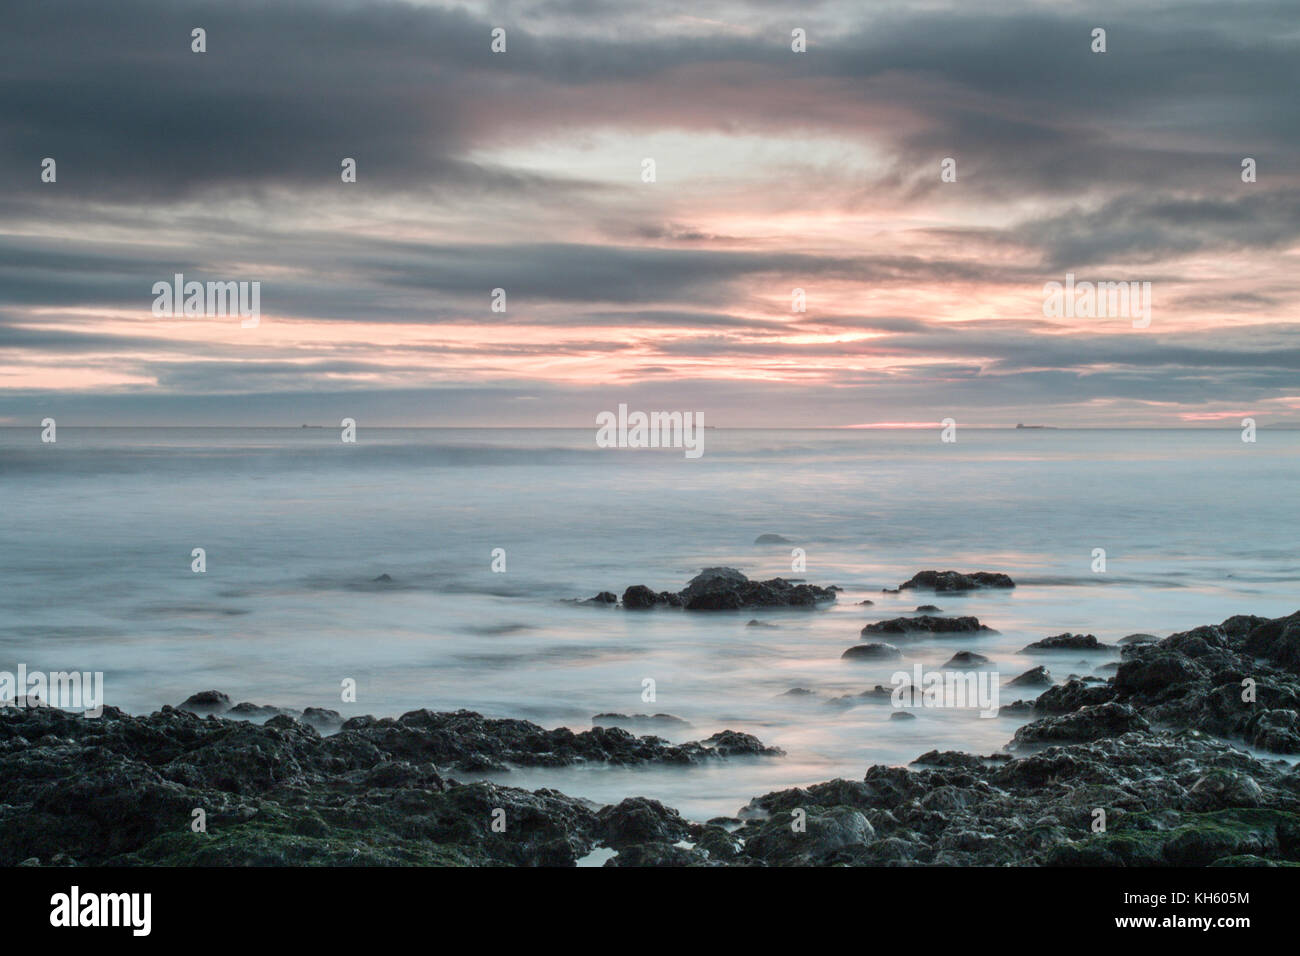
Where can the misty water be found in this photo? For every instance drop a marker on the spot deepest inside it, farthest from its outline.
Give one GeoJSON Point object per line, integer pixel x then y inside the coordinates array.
{"type": "Point", "coordinates": [98, 530]}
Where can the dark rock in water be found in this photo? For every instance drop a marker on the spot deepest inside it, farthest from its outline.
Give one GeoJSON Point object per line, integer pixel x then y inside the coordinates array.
{"type": "Point", "coordinates": [247, 710]}
{"type": "Point", "coordinates": [639, 820]}
{"type": "Point", "coordinates": [1072, 695]}
{"type": "Point", "coordinates": [382, 579]}
{"type": "Point", "coordinates": [281, 794]}
{"type": "Point", "coordinates": [929, 609]}
{"type": "Point", "coordinates": [902, 715]}
{"type": "Point", "coordinates": [966, 659]}
{"type": "Point", "coordinates": [772, 539]}
{"type": "Point", "coordinates": [754, 622]}
{"type": "Point", "coordinates": [866, 603]}
{"type": "Point", "coordinates": [206, 702]}
{"type": "Point", "coordinates": [932, 625]}
{"type": "Point", "coordinates": [638, 596]}
{"type": "Point", "coordinates": [661, 721]}
{"type": "Point", "coordinates": [730, 743]}
{"type": "Point", "coordinates": [956, 581]}
{"type": "Point", "coordinates": [1139, 639]}
{"type": "Point", "coordinates": [604, 597]}
{"type": "Point", "coordinates": [1088, 723]}
{"type": "Point", "coordinates": [1034, 677]}
{"type": "Point", "coordinates": [1067, 642]}
{"type": "Point", "coordinates": [1017, 708]}
{"type": "Point", "coordinates": [873, 652]}
{"type": "Point", "coordinates": [720, 589]}
{"type": "Point", "coordinates": [799, 692]}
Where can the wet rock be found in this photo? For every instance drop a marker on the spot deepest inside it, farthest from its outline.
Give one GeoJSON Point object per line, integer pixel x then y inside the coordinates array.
{"type": "Point", "coordinates": [928, 609]}
{"type": "Point", "coordinates": [638, 597]}
{"type": "Point", "coordinates": [604, 598]}
{"type": "Point", "coordinates": [641, 721]}
{"type": "Point", "coordinates": [1139, 639]}
{"type": "Point", "coordinates": [793, 839]}
{"type": "Point", "coordinates": [639, 820]}
{"type": "Point", "coordinates": [754, 622]}
{"type": "Point", "coordinates": [721, 589]}
{"type": "Point", "coordinates": [1066, 642]}
{"type": "Point", "coordinates": [930, 625]}
{"type": "Point", "coordinates": [866, 604]}
{"type": "Point", "coordinates": [206, 702]}
{"type": "Point", "coordinates": [772, 539]}
{"type": "Point", "coordinates": [902, 715]}
{"type": "Point", "coordinates": [956, 581]}
{"type": "Point", "coordinates": [660, 854]}
{"type": "Point", "coordinates": [1034, 677]}
{"type": "Point", "coordinates": [1072, 695]}
{"type": "Point", "coordinates": [873, 652]}
{"type": "Point", "coordinates": [1088, 723]}
{"type": "Point", "coordinates": [966, 659]}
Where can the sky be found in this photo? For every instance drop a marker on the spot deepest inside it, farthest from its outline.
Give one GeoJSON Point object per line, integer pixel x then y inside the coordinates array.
{"type": "Point", "coordinates": [774, 170]}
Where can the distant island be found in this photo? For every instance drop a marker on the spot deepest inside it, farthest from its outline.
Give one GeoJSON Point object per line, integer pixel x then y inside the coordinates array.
{"type": "Point", "coordinates": [1018, 425]}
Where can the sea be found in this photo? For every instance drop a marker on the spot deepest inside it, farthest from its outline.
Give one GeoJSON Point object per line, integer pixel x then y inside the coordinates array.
{"type": "Point", "coordinates": [493, 539]}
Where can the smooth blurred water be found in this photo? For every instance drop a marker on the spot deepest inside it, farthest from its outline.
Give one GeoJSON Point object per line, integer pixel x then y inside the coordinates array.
{"type": "Point", "coordinates": [98, 528]}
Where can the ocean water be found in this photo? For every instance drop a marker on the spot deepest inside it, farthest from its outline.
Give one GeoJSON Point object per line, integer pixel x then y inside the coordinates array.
{"type": "Point", "coordinates": [98, 528]}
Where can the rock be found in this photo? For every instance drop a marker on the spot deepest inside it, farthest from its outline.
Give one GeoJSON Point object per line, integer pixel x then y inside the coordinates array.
{"type": "Point", "coordinates": [383, 579]}
{"type": "Point", "coordinates": [825, 831]}
{"type": "Point", "coordinates": [639, 820]}
{"type": "Point", "coordinates": [639, 597]}
{"type": "Point", "coordinates": [1072, 695]}
{"type": "Point", "coordinates": [966, 659]}
{"type": "Point", "coordinates": [1066, 642]}
{"type": "Point", "coordinates": [929, 609]}
{"type": "Point", "coordinates": [754, 622]}
{"type": "Point", "coordinates": [902, 715]}
{"type": "Point", "coordinates": [866, 604]}
{"type": "Point", "coordinates": [720, 589]}
{"type": "Point", "coordinates": [1034, 677]}
{"type": "Point", "coordinates": [932, 625]}
{"type": "Point", "coordinates": [772, 539]}
{"type": "Point", "coordinates": [873, 652]}
{"type": "Point", "coordinates": [206, 702]}
{"type": "Point", "coordinates": [799, 692]}
{"type": "Point", "coordinates": [956, 581]}
{"type": "Point", "coordinates": [659, 854]}
{"type": "Point", "coordinates": [604, 597]}
{"type": "Point", "coordinates": [1087, 723]}
{"type": "Point", "coordinates": [1139, 639]}
{"type": "Point", "coordinates": [659, 721]}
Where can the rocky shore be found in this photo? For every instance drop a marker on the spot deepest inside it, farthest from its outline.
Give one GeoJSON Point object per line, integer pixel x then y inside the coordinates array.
{"type": "Point", "coordinates": [1145, 768]}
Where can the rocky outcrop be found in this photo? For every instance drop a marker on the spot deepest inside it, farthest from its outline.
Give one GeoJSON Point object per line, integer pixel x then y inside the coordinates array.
{"type": "Point", "coordinates": [122, 790]}
{"type": "Point", "coordinates": [873, 652]}
{"type": "Point", "coordinates": [931, 625]}
{"type": "Point", "coordinates": [722, 589]}
{"type": "Point", "coordinates": [1066, 642]}
{"type": "Point", "coordinates": [956, 581]}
